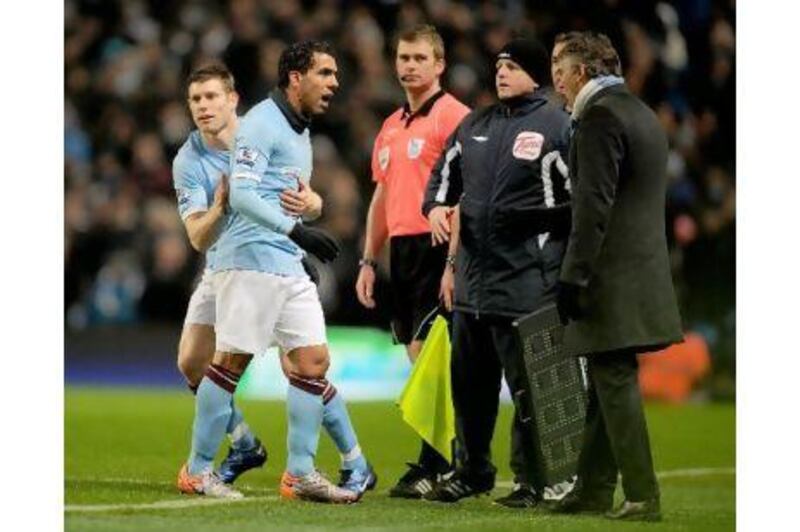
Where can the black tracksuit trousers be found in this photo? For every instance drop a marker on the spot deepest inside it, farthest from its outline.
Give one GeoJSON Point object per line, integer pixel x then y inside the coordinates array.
{"type": "Point", "coordinates": [483, 350]}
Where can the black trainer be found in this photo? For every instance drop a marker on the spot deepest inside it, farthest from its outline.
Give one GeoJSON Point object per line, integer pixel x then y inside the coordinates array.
{"type": "Point", "coordinates": [460, 485]}
{"type": "Point", "coordinates": [522, 496]}
{"type": "Point", "coordinates": [416, 483]}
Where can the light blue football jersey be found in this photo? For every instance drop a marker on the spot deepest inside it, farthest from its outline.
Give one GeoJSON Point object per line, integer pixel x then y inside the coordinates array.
{"type": "Point", "coordinates": [196, 171]}
{"type": "Point", "coordinates": [269, 156]}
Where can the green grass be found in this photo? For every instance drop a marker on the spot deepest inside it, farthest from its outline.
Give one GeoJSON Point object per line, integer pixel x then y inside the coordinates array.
{"type": "Point", "coordinates": [125, 447]}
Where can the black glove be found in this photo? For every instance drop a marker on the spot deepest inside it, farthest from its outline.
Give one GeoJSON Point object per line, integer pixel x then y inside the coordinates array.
{"type": "Point", "coordinates": [311, 270]}
{"type": "Point", "coordinates": [535, 220]}
{"type": "Point", "coordinates": [315, 241]}
{"type": "Point", "coordinates": [567, 302]}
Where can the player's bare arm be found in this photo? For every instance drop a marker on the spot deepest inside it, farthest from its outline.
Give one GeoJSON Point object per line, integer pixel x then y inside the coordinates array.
{"type": "Point", "coordinates": [375, 239]}
{"type": "Point", "coordinates": [303, 202]}
{"type": "Point", "coordinates": [203, 227]}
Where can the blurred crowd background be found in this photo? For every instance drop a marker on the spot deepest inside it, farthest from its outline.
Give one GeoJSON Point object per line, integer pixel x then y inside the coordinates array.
{"type": "Point", "coordinates": [127, 258]}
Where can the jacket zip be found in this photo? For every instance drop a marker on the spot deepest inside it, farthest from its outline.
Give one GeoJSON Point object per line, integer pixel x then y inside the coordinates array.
{"type": "Point", "coordinates": [487, 216]}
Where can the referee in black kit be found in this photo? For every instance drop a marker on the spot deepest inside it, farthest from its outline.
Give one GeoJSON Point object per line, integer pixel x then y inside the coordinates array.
{"type": "Point", "coordinates": [504, 166]}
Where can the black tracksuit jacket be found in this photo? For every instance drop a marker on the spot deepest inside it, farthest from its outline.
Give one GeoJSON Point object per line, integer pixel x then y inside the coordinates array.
{"type": "Point", "coordinates": [505, 166]}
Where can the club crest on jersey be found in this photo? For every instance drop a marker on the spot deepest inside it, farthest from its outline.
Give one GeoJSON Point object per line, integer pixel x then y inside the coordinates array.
{"type": "Point", "coordinates": [528, 145]}
{"type": "Point", "coordinates": [246, 156]}
{"type": "Point", "coordinates": [383, 158]}
{"type": "Point", "coordinates": [415, 147]}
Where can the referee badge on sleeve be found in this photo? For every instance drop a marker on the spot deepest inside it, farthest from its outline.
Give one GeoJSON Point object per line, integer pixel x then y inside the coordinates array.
{"type": "Point", "coordinates": [383, 158]}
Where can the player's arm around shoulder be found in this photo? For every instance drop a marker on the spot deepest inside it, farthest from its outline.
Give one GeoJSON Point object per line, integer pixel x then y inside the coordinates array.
{"type": "Point", "coordinates": [303, 202]}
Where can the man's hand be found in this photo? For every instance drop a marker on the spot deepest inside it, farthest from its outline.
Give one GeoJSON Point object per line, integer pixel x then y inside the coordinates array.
{"type": "Point", "coordinates": [439, 220]}
{"type": "Point", "coordinates": [221, 194]}
{"type": "Point", "coordinates": [315, 241]}
{"type": "Point", "coordinates": [365, 285]}
{"type": "Point", "coordinates": [567, 302]}
{"type": "Point", "coordinates": [446, 288]}
{"type": "Point", "coordinates": [302, 202]}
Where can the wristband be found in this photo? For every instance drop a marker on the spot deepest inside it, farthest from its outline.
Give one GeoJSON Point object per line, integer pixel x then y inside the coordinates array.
{"type": "Point", "coordinates": [368, 262]}
{"type": "Point", "coordinates": [451, 261]}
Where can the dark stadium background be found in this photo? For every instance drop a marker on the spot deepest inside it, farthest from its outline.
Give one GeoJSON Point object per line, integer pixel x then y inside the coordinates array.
{"type": "Point", "coordinates": [129, 269]}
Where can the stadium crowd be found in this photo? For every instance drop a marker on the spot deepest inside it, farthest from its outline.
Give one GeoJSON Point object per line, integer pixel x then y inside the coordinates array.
{"type": "Point", "coordinates": [127, 258]}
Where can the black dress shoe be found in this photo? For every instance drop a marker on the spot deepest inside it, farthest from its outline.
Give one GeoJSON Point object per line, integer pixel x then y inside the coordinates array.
{"type": "Point", "coordinates": [576, 502]}
{"type": "Point", "coordinates": [649, 510]}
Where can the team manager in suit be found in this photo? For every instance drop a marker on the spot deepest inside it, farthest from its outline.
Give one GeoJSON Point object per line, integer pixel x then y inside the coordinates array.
{"type": "Point", "coordinates": [615, 286]}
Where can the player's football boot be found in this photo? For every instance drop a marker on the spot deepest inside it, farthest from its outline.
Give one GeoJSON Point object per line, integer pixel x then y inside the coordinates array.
{"type": "Point", "coordinates": [206, 483]}
{"type": "Point", "coordinates": [415, 483]}
{"type": "Point", "coordinates": [358, 481]}
{"type": "Point", "coordinates": [237, 462]}
{"type": "Point", "coordinates": [460, 485]}
{"type": "Point", "coordinates": [314, 487]}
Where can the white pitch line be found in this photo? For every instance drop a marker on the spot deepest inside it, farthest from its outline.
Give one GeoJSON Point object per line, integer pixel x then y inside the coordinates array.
{"type": "Point", "coordinates": [161, 505]}
{"type": "Point", "coordinates": [202, 501]}
{"type": "Point", "coordinates": [147, 482]}
{"type": "Point", "coordinates": [697, 472]}
{"type": "Point", "coordinates": [672, 473]}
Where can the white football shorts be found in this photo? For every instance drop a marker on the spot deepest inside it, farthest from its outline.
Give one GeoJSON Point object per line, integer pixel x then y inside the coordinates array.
{"type": "Point", "coordinates": [257, 310]}
{"type": "Point", "coordinates": [201, 310]}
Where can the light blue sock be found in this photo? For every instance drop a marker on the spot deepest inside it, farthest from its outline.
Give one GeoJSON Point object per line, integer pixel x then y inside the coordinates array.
{"type": "Point", "coordinates": [212, 412]}
{"type": "Point", "coordinates": [336, 421]}
{"type": "Point", "coordinates": [304, 411]}
{"type": "Point", "coordinates": [242, 438]}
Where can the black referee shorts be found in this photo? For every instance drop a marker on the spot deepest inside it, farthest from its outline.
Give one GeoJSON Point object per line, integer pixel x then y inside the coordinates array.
{"type": "Point", "coordinates": [416, 272]}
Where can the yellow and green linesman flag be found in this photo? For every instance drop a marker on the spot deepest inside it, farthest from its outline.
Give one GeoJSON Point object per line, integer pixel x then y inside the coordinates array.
{"type": "Point", "coordinates": [427, 400]}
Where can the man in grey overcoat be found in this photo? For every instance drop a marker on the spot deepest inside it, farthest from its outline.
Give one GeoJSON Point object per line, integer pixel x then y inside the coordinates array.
{"type": "Point", "coordinates": [615, 288]}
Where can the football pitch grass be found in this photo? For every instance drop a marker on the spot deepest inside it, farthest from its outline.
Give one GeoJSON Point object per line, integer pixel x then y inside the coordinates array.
{"type": "Point", "coordinates": [123, 449]}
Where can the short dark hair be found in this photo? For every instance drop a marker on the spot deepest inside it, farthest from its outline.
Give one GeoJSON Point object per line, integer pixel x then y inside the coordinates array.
{"type": "Point", "coordinates": [423, 32]}
{"type": "Point", "coordinates": [300, 56]}
{"type": "Point", "coordinates": [595, 51]}
{"type": "Point", "coordinates": [215, 70]}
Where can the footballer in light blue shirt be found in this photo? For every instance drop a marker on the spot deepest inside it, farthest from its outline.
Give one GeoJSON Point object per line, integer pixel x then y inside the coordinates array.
{"type": "Point", "coordinates": [199, 175]}
{"type": "Point", "coordinates": [271, 167]}
{"type": "Point", "coordinates": [264, 294]}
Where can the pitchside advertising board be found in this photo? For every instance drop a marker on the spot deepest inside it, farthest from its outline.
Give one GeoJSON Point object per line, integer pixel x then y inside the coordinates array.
{"type": "Point", "coordinates": [365, 366]}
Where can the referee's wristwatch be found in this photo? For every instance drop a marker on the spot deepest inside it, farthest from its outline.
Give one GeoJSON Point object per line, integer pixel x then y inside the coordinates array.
{"type": "Point", "coordinates": [368, 262]}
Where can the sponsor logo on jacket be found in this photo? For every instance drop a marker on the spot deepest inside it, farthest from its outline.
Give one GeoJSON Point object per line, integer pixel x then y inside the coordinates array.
{"type": "Point", "coordinates": [528, 145]}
